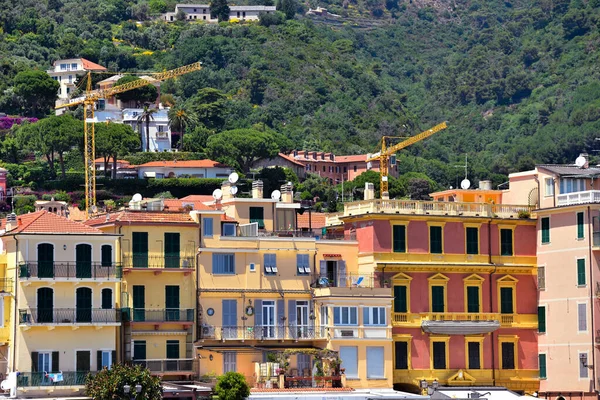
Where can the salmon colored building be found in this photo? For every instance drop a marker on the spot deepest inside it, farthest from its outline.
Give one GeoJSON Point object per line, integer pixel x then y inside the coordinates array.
{"type": "Point", "coordinates": [463, 281]}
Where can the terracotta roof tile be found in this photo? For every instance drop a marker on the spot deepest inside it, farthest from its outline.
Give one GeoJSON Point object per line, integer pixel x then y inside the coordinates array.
{"type": "Point", "coordinates": [317, 220]}
{"type": "Point", "coordinates": [101, 160]}
{"type": "Point", "coordinates": [45, 222]}
{"type": "Point", "coordinates": [178, 205]}
{"type": "Point", "coordinates": [87, 64]}
{"type": "Point", "coordinates": [225, 218]}
{"type": "Point", "coordinates": [291, 159]}
{"type": "Point", "coordinates": [356, 158]}
{"type": "Point", "coordinates": [185, 164]}
{"type": "Point", "coordinates": [141, 217]}
{"type": "Point", "coordinates": [198, 197]}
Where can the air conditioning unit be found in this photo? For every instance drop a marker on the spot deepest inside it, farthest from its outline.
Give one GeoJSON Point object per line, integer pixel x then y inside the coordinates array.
{"type": "Point", "coordinates": [208, 332]}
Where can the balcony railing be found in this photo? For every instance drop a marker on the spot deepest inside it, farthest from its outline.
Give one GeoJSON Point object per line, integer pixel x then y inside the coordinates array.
{"type": "Point", "coordinates": [6, 285]}
{"type": "Point", "coordinates": [586, 197]}
{"type": "Point", "coordinates": [158, 315]}
{"type": "Point", "coordinates": [276, 332]}
{"type": "Point", "coordinates": [69, 270]}
{"type": "Point", "coordinates": [506, 320]}
{"type": "Point", "coordinates": [68, 316]}
{"type": "Point", "coordinates": [361, 332]}
{"type": "Point", "coordinates": [62, 378]}
{"type": "Point", "coordinates": [299, 234]}
{"type": "Point", "coordinates": [144, 261]}
{"type": "Point", "coordinates": [168, 365]}
{"type": "Point", "coordinates": [325, 280]}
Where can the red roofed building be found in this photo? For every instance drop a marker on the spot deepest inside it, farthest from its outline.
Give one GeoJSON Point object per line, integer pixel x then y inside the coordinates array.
{"type": "Point", "coordinates": [184, 169]}
{"type": "Point", "coordinates": [65, 72]}
{"type": "Point", "coordinates": [284, 161]}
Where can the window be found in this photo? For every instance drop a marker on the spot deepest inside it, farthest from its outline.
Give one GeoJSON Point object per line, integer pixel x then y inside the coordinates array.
{"type": "Point", "coordinates": [207, 226]}
{"type": "Point", "coordinates": [44, 361]}
{"type": "Point", "coordinates": [545, 230]}
{"type": "Point", "coordinates": [172, 349]}
{"type": "Point", "coordinates": [439, 355]}
{"type": "Point", "coordinates": [345, 315]}
{"type": "Point", "coordinates": [105, 360]}
{"type": "Point", "coordinates": [400, 299]}
{"type": "Point", "coordinates": [435, 239]}
{"type": "Point", "coordinates": [374, 316]}
{"type": "Point", "coordinates": [580, 231]}
{"type": "Point", "coordinates": [582, 317]}
{"type": "Point", "coordinates": [63, 67]}
{"type": "Point", "coordinates": [375, 363]}
{"type": "Point", "coordinates": [106, 255]}
{"type": "Point", "coordinates": [474, 349]}
{"type": "Point", "coordinates": [581, 272]}
{"type": "Point", "coordinates": [437, 299]}
{"type": "Point", "coordinates": [303, 264]}
{"type": "Point", "coordinates": [506, 300]}
{"type": "Point", "coordinates": [270, 264]}
{"type": "Point", "coordinates": [549, 185]}
{"type": "Point", "coordinates": [229, 361]}
{"type": "Point", "coordinates": [472, 241]}
{"type": "Point", "coordinates": [542, 366]}
{"type": "Point", "coordinates": [223, 264]}
{"type": "Point", "coordinates": [570, 185]}
{"type": "Point", "coordinates": [506, 243]}
{"type": "Point", "coordinates": [473, 305]}
{"type": "Point", "coordinates": [74, 66]}
{"type": "Point", "coordinates": [583, 365]}
{"type": "Point", "coordinates": [257, 214]}
{"type": "Point", "coordinates": [345, 169]}
{"type": "Point", "coordinates": [399, 238]}
{"type": "Point", "coordinates": [542, 319]}
{"type": "Point", "coordinates": [349, 357]}
{"type": "Point", "coordinates": [355, 168]}
{"type": "Point", "coordinates": [401, 355]}
{"type": "Point", "coordinates": [106, 299]}
{"type": "Point", "coordinates": [323, 168]}
{"type": "Point", "coordinates": [541, 277]}
{"type": "Point", "coordinates": [228, 229]}
{"type": "Point", "coordinates": [508, 355]}
{"type": "Point", "coordinates": [139, 246]}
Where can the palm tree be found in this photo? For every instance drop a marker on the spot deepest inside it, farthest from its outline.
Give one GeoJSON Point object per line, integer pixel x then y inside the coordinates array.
{"type": "Point", "coordinates": [180, 119]}
{"type": "Point", "coordinates": [146, 116]}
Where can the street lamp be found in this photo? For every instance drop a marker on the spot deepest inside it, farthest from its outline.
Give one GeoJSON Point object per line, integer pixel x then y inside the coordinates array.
{"type": "Point", "coordinates": [426, 389]}
{"type": "Point", "coordinates": [127, 391]}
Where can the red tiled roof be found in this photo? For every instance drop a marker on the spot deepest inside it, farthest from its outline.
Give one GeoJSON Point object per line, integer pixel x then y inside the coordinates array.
{"type": "Point", "coordinates": [356, 158]}
{"type": "Point", "coordinates": [141, 217]}
{"type": "Point", "coordinates": [45, 222]}
{"type": "Point", "coordinates": [225, 218]}
{"type": "Point", "coordinates": [184, 164]}
{"type": "Point", "coordinates": [198, 197]}
{"type": "Point", "coordinates": [87, 64]}
{"type": "Point", "coordinates": [178, 204]}
{"type": "Point", "coordinates": [291, 159]}
{"type": "Point", "coordinates": [317, 220]}
{"type": "Point", "coordinates": [101, 160]}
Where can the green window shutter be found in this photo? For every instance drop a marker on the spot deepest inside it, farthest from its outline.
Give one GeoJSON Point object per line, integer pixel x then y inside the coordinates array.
{"type": "Point", "coordinates": [401, 356]}
{"type": "Point", "coordinates": [473, 299]}
{"type": "Point", "coordinates": [257, 214]}
{"type": "Point", "coordinates": [106, 255]}
{"type": "Point", "coordinates": [542, 365]}
{"type": "Point", "coordinates": [172, 245]}
{"type": "Point", "coordinates": [400, 300]}
{"type": "Point", "coordinates": [435, 239]}
{"type": "Point", "coordinates": [140, 249]}
{"type": "Point", "coordinates": [437, 299]}
{"type": "Point", "coordinates": [172, 348]}
{"type": "Point", "coordinates": [546, 230]}
{"type": "Point", "coordinates": [542, 319]}
{"type": "Point", "coordinates": [506, 300]}
{"type": "Point", "coordinates": [580, 232]}
{"type": "Point", "coordinates": [472, 241]}
{"type": "Point", "coordinates": [581, 272]}
{"type": "Point", "coordinates": [399, 238]}
{"type": "Point", "coordinates": [474, 355]}
{"type": "Point", "coordinates": [506, 245]}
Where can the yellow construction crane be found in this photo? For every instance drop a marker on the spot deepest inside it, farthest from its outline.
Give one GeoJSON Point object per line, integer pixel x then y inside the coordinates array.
{"type": "Point", "coordinates": [89, 100]}
{"type": "Point", "coordinates": [383, 155]}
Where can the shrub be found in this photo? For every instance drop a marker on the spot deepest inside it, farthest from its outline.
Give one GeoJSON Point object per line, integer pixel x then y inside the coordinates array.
{"type": "Point", "coordinates": [232, 386]}
{"type": "Point", "coordinates": [109, 383]}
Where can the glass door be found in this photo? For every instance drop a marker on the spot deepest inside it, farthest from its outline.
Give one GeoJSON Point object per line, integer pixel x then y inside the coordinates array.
{"type": "Point", "coordinates": [83, 261]}
{"type": "Point", "coordinates": [324, 320]}
{"type": "Point", "coordinates": [302, 323]}
{"type": "Point", "coordinates": [268, 319]}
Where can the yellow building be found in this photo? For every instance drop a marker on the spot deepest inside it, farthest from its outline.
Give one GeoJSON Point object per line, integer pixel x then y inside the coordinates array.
{"type": "Point", "coordinates": [270, 294]}
{"type": "Point", "coordinates": [158, 292]}
{"type": "Point", "coordinates": [63, 317]}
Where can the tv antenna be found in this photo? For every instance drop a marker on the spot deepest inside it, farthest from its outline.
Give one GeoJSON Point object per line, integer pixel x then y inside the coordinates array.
{"type": "Point", "coordinates": [465, 183]}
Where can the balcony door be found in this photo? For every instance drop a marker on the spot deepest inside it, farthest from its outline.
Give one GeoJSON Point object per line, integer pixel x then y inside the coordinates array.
{"type": "Point", "coordinates": [83, 261]}
{"type": "Point", "coordinates": [268, 318]}
{"type": "Point", "coordinates": [139, 350]}
{"type": "Point", "coordinates": [302, 321]}
{"type": "Point", "coordinates": [139, 303]}
{"type": "Point", "coordinates": [229, 319]}
{"type": "Point", "coordinates": [84, 304]}
{"type": "Point", "coordinates": [172, 355]}
{"type": "Point", "coordinates": [45, 260]}
{"type": "Point", "coordinates": [140, 249]}
{"type": "Point", "coordinates": [172, 245]}
{"type": "Point", "coordinates": [45, 305]}
{"type": "Point", "coordinates": [172, 303]}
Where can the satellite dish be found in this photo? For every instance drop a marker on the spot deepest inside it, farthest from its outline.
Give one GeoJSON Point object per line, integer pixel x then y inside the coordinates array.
{"type": "Point", "coordinates": [217, 194]}
{"type": "Point", "coordinates": [276, 195]}
{"type": "Point", "coordinates": [233, 190]}
{"type": "Point", "coordinates": [580, 161]}
{"type": "Point", "coordinates": [233, 177]}
{"type": "Point", "coordinates": [94, 209]}
{"type": "Point", "coordinates": [465, 184]}
{"type": "Point", "coordinates": [137, 197]}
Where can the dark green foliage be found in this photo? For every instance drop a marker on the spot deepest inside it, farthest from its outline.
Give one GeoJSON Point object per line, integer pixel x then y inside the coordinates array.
{"type": "Point", "coordinates": [239, 148]}
{"type": "Point", "coordinates": [114, 141]}
{"type": "Point", "coordinates": [35, 91]}
{"type": "Point", "coordinates": [108, 384]}
{"type": "Point", "coordinates": [232, 386]}
{"type": "Point", "coordinates": [145, 94]}
{"type": "Point", "coordinates": [219, 9]}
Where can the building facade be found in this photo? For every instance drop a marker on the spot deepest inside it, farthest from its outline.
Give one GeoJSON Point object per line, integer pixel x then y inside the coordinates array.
{"type": "Point", "coordinates": [66, 72]}
{"type": "Point", "coordinates": [181, 169]}
{"type": "Point", "coordinates": [201, 12]}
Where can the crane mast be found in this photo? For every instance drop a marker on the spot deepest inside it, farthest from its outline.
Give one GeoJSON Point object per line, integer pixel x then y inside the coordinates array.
{"type": "Point", "coordinates": [89, 101]}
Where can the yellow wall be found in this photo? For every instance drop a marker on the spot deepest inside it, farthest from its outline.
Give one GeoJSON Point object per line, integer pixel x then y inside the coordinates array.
{"type": "Point", "coordinates": [156, 238]}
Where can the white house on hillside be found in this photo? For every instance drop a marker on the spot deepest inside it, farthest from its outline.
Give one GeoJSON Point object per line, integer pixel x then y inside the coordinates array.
{"type": "Point", "coordinates": [188, 169]}
{"type": "Point", "coordinates": [65, 72]}
{"type": "Point", "coordinates": [201, 12]}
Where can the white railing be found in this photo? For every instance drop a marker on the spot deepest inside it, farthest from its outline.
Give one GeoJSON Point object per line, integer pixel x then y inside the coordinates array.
{"type": "Point", "coordinates": [250, 229]}
{"type": "Point", "coordinates": [569, 199]}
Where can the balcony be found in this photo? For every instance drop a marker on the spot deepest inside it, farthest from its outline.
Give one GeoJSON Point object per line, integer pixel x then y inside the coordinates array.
{"type": "Point", "coordinates": [326, 280]}
{"type": "Point", "coordinates": [173, 366]}
{"type": "Point", "coordinates": [288, 332]}
{"type": "Point", "coordinates": [69, 316]}
{"type": "Point", "coordinates": [154, 316]}
{"type": "Point", "coordinates": [158, 264]}
{"type": "Point", "coordinates": [570, 199]}
{"type": "Point", "coordinates": [361, 332]}
{"type": "Point", "coordinates": [63, 378]}
{"type": "Point", "coordinates": [6, 285]}
{"type": "Point", "coordinates": [69, 271]}
{"type": "Point", "coordinates": [463, 323]}
{"type": "Point", "coordinates": [295, 234]}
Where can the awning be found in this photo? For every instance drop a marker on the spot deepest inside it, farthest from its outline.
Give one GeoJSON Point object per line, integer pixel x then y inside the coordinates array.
{"type": "Point", "coordinates": [149, 174]}
{"type": "Point", "coordinates": [459, 327]}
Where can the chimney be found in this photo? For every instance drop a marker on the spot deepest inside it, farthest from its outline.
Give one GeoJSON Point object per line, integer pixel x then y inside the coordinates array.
{"type": "Point", "coordinates": [226, 188]}
{"type": "Point", "coordinates": [287, 193]}
{"type": "Point", "coordinates": [11, 222]}
{"type": "Point", "coordinates": [257, 189]}
{"type": "Point", "coordinates": [485, 185]}
{"type": "Point", "coordinates": [369, 191]}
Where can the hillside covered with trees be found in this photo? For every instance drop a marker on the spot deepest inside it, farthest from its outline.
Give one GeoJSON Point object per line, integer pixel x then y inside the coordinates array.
{"type": "Point", "coordinates": [518, 81]}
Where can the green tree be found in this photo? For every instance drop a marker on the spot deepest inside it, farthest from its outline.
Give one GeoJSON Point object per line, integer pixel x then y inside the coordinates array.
{"type": "Point", "coordinates": [180, 120]}
{"type": "Point", "coordinates": [195, 141]}
{"type": "Point", "coordinates": [114, 141]}
{"type": "Point", "coordinates": [232, 386]}
{"type": "Point", "coordinates": [209, 105]}
{"type": "Point", "coordinates": [157, 6]}
{"type": "Point", "coordinates": [145, 117]}
{"type": "Point", "coordinates": [258, 85]}
{"type": "Point", "coordinates": [109, 384]}
{"type": "Point", "coordinates": [36, 91]}
{"type": "Point", "coordinates": [219, 9]}
{"type": "Point", "coordinates": [240, 148]}
{"type": "Point", "coordinates": [288, 7]}
{"type": "Point", "coordinates": [144, 94]}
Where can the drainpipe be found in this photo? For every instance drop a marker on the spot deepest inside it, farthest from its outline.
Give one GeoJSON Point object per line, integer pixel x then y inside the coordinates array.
{"type": "Point", "coordinates": [553, 192]}
{"type": "Point", "coordinates": [15, 312]}
{"type": "Point", "coordinates": [537, 182]}
{"type": "Point", "coordinates": [197, 272]}
{"type": "Point", "coordinates": [590, 232]}
{"type": "Point", "coordinates": [489, 226]}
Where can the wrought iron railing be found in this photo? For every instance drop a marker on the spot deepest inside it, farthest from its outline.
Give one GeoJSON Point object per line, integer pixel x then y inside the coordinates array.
{"type": "Point", "coordinates": [158, 315]}
{"type": "Point", "coordinates": [325, 279]}
{"type": "Point", "coordinates": [69, 270]}
{"type": "Point", "coordinates": [62, 378]}
{"type": "Point", "coordinates": [69, 316]}
{"type": "Point", "coordinates": [166, 262]}
{"type": "Point", "coordinates": [167, 365]}
{"type": "Point", "coordinates": [279, 332]}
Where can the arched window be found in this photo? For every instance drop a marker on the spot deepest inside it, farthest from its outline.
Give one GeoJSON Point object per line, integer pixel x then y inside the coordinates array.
{"type": "Point", "coordinates": [45, 305]}
{"type": "Point", "coordinates": [83, 303]}
{"type": "Point", "coordinates": [107, 302]}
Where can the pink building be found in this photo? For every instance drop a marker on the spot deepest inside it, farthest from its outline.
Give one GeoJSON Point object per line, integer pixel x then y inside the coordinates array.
{"type": "Point", "coordinates": [568, 246]}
